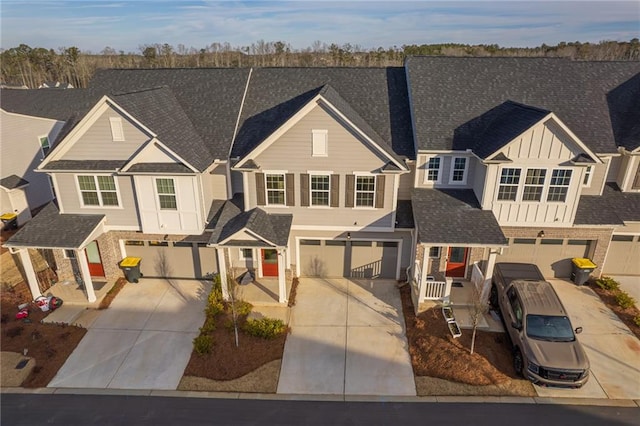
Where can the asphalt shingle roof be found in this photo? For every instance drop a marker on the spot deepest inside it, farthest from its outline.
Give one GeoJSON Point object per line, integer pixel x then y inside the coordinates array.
{"type": "Point", "coordinates": [448, 92]}
{"type": "Point", "coordinates": [52, 104]}
{"type": "Point", "coordinates": [51, 229]}
{"type": "Point", "coordinates": [613, 207]}
{"type": "Point", "coordinates": [376, 98]}
{"type": "Point", "coordinates": [13, 182]}
{"type": "Point", "coordinates": [96, 165]}
{"type": "Point", "coordinates": [454, 216]}
{"type": "Point", "coordinates": [159, 168]}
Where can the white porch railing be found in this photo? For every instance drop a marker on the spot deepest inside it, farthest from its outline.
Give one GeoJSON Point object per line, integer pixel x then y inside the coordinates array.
{"type": "Point", "coordinates": [429, 289]}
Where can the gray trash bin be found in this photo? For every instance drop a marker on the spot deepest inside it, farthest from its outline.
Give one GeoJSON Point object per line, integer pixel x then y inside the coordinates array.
{"type": "Point", "coordinates": [131, 268]}
{"type": "Point", "coordinates": [581, 269]}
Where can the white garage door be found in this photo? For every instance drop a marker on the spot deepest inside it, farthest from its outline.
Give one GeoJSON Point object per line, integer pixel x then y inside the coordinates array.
{"type": "Point", "coordinates": [178, 259]}
{"type": "Point", "coordinates": [553, 256]}
{"type": "Point", "coordinates": [356, 259]}
{"type": "Point", "coordinates": [623, 257]}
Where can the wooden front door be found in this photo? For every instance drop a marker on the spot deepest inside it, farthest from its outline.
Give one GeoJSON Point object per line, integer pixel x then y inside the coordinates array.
{"type": "Point", "coordinates": [269, 262]}
{"type": "Point", "coordinates": [457, 261]}
{"type": "Point", "coordinates": [93, 258]}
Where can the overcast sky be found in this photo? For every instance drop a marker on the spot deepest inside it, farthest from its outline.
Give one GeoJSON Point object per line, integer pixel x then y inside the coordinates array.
{"type": "Point", "coordinates": [126, 25]}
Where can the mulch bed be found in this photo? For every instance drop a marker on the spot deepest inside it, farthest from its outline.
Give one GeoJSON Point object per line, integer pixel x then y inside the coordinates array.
{"type": "Point", "coordinates": [226, 361]}
{"type": "Point", "coordinates": [49, 344]}
{"type": "Point", "coordinates": [435, 353]}
{"type": "Point", "coordinates": [625, 315]}
{"type": "Point", "coordinates": [111, 294]}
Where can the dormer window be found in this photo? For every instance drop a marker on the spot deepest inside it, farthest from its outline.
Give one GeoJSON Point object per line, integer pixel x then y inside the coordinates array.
{"type": "Point", "coordinates": [586, 181]}
{"type": "Point", "coordinates": [432, 173]}
{"type": "Point", "coordinates": [459, 170]}
{"type": "Point", "coordinates": [44, 145]}
{"type": "Point", "coordinates": [319, 143]}
{"type": "Point", "coordinates": [117, 133]}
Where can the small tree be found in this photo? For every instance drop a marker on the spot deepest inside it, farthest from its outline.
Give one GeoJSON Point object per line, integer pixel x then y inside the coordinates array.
{"type": "Point", "coordinates": [477, 308]}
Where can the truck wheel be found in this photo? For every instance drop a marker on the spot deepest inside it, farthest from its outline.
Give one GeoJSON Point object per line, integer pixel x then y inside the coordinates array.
{"type": "Point", "coordinates": [518, 362]}
{"type": "Point", "coordinates": [493, 297]}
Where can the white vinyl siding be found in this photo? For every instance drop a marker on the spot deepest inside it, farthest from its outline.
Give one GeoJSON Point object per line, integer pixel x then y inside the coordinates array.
{"type": "Point", "coordinates": [320, 143]}
{"type": "Point", "coordinates": [117, 132]}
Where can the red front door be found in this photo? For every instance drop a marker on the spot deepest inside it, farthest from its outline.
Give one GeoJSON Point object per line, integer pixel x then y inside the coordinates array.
{"type": "Point", "coordinates": [269, 262]}
{"type": "Point", "coordinates": [457, 261]}
{"type": "Point", "coordinates": [93, 258]}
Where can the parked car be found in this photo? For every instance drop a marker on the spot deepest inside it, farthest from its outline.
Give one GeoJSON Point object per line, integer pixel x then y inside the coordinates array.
{"type": "Point", "coordinates": [545, 348]}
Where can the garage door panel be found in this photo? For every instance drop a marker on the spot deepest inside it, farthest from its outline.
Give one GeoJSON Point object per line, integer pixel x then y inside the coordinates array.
{"type": "Point", "coordinates": [173, 260]}
{"type": "Point", "coordinates": [623, 257]}
{"type": "Point", "coordinates": [552, 256]}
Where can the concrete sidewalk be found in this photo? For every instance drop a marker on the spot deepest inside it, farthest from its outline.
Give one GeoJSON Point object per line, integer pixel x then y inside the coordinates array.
{"type": "Point", "coordinates": [347, 337]}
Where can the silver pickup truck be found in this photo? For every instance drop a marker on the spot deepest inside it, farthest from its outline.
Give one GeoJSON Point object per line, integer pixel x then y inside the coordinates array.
{"type": "Point", "coordinates": [545, 348]}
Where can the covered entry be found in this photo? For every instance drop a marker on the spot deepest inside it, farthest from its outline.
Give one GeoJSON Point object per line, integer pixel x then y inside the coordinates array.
{"type": "Point", "coordinates": [349, 258]}
{"type": "Point", "coordinates": [552, 256]}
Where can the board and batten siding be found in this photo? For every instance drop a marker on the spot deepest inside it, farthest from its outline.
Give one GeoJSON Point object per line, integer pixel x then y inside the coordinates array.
{"type": "Point", "coordinates": [69, 198]}
{"type": "Point", "coordinates": [347, 154]}
{"type": "Point", "coordinates": [97, 142]}
{"type": "Point", "coordinates": [20, 152]}
{"type": "Point", "coordinates": [545, 146]}
{"type": "Point", "coordinates": [186, 219]}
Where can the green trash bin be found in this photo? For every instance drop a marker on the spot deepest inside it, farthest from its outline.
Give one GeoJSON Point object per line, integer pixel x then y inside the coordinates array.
{"type": "Point", "coordinates": [581, 269]}
{"type": "Point", "coordinates": [131, 268]}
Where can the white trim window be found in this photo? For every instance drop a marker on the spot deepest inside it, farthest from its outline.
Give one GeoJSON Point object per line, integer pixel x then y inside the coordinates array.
{"type": "Point", "coordinates": [99, 191]}
{"type": "Point", "coordinates": [509, 181]}
{"type": "Point", "coordinates": [320, 187]}
{"type": "Point", "coordinates": [365, 191]}
{"type": "Point", "coordinates": [117, 132]}
{"type": "Point", "coordinates": [434, 252]}
{"type": "Point", "coordinates": [559, 185]}
{"type": "Point", "coordinates": [588, 174]}
{"type": "Point", "coordinates": [245, 254]}
{"type": "Point", "coordinates": [45, 146]}
{"type": "Point", "coordinates": [459, 167]}
{"type": "Point", "coordinates": [320, 143]}
{"type": "Point", "coordinates": [166, 190]}
{"type": "Point", "coordinates": [534, 184]}
{"type": "Point", "coordinates": [276, 189]}
{"type": "Point", "coordinates": [432, 170]}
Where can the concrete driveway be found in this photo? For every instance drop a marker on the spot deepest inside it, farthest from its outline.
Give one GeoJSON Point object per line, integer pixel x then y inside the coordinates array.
{"type": "Point", "coordinates": [347, 337]}
{"type": "Point", "coordinates": [143, 341]}
{"type": "Point", "coordinates": [613, 351]}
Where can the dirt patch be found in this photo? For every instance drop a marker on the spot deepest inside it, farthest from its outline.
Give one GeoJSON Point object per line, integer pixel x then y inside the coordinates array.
{"type": "Point", "coordinates": [112, 293]}
{"type": "Point", "coordinates": [431, 386]}
{"type": "Point", "coordinates": [49, 344]}
{"type": "Point", "coordinates": [262, 380]}
{"type": "Point", "coordinates": [436, 354]}
{"type": "Point", "coordinates": [626, 315]}
{"type": "Point", "coordinates": [11, 375]}
{"type": "Point", "coordinates": [226, 361]}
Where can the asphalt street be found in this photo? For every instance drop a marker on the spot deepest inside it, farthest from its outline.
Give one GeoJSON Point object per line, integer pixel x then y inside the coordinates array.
{"type": "Point", "coordinates": [53, 409]}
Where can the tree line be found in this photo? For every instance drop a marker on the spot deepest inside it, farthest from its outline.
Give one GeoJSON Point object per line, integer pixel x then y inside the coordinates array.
{"type": "Point", "coordinates": [30, 67]}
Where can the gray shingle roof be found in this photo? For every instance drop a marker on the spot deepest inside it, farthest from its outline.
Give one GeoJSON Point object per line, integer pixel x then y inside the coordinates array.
{"type": "Point", "coordinates": [454, 217]}
{"type": "Point", "coordinates": [209, 97]}
{"type": "Point", "coordinates": [53, 104]}
{"type": "Point", "coordinates": [613, 207]}
{"type": "Point", "coordinates": [495, 128]}
{"type": "Point", "coordinates": [159, 110]}
{"type": "Point", "coordinates": [95, 165]}
{"type": "Point", "coordinates": [404, 215]}
{"type": "Point", "coordinates": [375, 97]}
{"type": "Point", "coordinates": [159, 168]}
{"type": "Point", "coordinates": [448, 92]}
{"type": "Point", "coordinates": [13, 182]}
{"type": "Point", "coordinates": [50, 229]}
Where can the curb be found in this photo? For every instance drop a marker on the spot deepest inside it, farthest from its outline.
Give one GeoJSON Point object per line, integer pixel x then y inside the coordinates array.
{"type": "Point", "coordinates": [600, 402]}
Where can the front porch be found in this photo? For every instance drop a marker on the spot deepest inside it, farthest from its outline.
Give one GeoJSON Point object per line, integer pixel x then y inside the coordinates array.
{"type": "Point", "coordinates": [263, 291]}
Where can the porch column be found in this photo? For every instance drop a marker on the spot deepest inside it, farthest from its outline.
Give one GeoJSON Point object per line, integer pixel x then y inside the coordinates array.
{"type": "Point", "coordinates": [86, 275]}
{"type": "Point", "coordinates": [222, 270]}
{"type": "Point", "coordinates": [32, 279]}
{"type": "Point", "coordinates": [491, 262]}
{"type": "Point", "coordinates": [422, 285]}
{"type": "Point", "coordinates": [282, 279]}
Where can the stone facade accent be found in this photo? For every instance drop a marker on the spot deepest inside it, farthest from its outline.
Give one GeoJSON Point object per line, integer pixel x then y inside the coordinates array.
{"type": "Point", "coordinates": [597, 251]}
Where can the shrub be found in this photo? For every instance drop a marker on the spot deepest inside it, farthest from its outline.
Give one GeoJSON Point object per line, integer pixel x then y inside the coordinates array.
{"type": "Point", "coordinates": [267, 328]}
{"type": "Point", "coordinates": [243, 308]}
{"type": "Point", "coordinates": [215, 303]}
{"type": "Point", "coordinates": [607, 283]}
{"type": "Point", "coordinates": [208, 326]}
{"type": "Point", "coordinates": [636, 320]}
{"type": "Point", "coordinates": [203, 344]}
{"type": "Point", "coordinates": [624, 300]}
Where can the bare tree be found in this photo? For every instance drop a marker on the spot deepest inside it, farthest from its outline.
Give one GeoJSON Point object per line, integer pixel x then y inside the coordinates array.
{"type": "Point", "coordinates": [477, 308]}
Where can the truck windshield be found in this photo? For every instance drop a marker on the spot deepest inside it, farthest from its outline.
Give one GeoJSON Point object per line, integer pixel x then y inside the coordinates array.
{"type": "Point", "coordinates": [549, 328]}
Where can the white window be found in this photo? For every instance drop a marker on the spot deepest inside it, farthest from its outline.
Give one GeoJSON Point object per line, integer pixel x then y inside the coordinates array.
{"type": "Point", "coordinates": [246, 254]}
{"type": "Point", "coordinates": [534, 184]}
{"type": "Point", "coordinates": [434, 252]}
{"type": "Point", "coordinates": [509, 181]}
{"type": "Point", "coordinates": [559, 185]}
{"type": "Point", "coordinates": [320, 190]}
{"type": "Point", "coordinates": [588, 172]}
{"type": "Point", "coordinates": [117, 133]}
{"type": "Point", "coordinates": [275, 189]}
{"type": "Point", "coordinates": [166, 194]}
{"type": "Point", "coordinates": [432, 172]}
{"type": "Point", "coordinates": [98, 191]}
{"type": "Point", "coordinates": [459, 170]}
{"type": "Point", "coordinates": [44, 145]}
{"type": "Point", "coordinates": [69, 254]}
{"type": "Point", "coordinates": [365, 191]}
{"type": "Point", "coordinates": [320, 143]}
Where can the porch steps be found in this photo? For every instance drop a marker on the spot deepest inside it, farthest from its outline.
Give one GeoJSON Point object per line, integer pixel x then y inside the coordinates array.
{"type": "Point", "coordinates": [66, 314]}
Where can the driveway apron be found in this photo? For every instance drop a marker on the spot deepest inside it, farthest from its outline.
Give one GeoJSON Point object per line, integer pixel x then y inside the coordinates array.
{"type": "Point", "coordinates": [143, 341]}
{"type": "Point", "coordinates": [347, 337]}
{"type": "Point", "coordinates": [613, 351]}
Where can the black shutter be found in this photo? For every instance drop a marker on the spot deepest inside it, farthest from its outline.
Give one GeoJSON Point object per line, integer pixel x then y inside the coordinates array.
{"type": "Point", "coordinates": [291, 189]}
{"type": "Point", "coordinates": [335, 190]}
{"type": "Point", "coordinates": [380, 191]}
{"type": "Point", "coordinates": [260, 193]}
{"type": "Point", "coordinates": [350, 189]}
{"type": "Point", "coordinates": [304, 189]}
